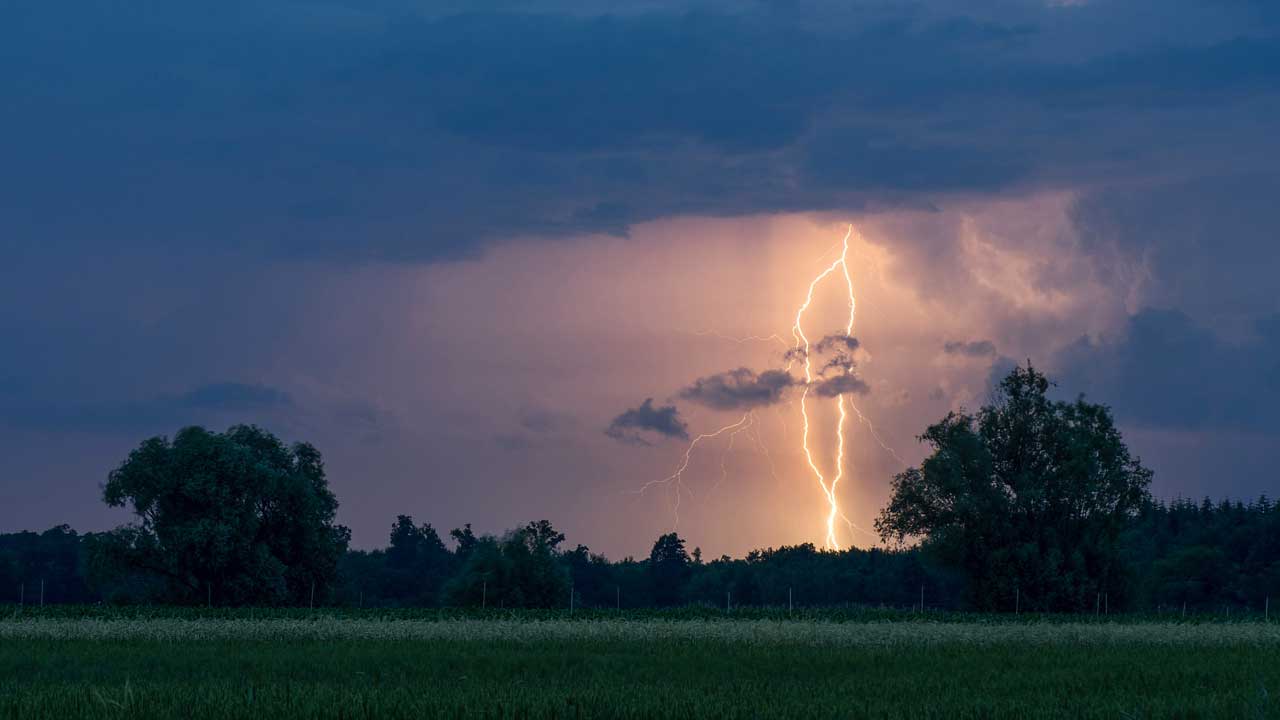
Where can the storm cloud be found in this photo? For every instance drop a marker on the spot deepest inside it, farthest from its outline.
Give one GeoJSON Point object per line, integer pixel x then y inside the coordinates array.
{"type": "Point", "coordinates": [847, 384]}
{"type": "Point", "coordinates": [321, 202]}
{"type": "Point", "coordinates": [740, 389]}
{"type": "Point", "coordinates": [632, 424]}
{"type": "Point", "coordinates": [244, 401]}
{"type": "Point", "coordinates": [1164, 371]}
{"type": "Point", "coordinates": [261, 139]}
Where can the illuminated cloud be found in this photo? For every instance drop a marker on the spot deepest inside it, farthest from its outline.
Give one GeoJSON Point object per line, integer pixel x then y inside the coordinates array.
{"type": "Point", "coordinates": [629, 427]}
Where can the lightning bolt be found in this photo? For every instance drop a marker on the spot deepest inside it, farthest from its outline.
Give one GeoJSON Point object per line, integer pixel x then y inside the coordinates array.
{"type": "Point", "coordinates": [802, 346]}
{"type": "Point", "coordinates": [676, 479]}
{"type": "Point", "coordinates": [764, 450]}
{"type": "Point", "coordinates": [875, 434]}
{"type": "Point", "coordinates": [733, 436]}
{"type": "Point", "coordinates": [741, 340]}
{"type": "Point", "coordinates": [750, 425]}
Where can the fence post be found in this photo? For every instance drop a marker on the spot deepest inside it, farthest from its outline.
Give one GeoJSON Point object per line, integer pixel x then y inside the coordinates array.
{"type": "Point", "coordinates": [617, 597]}
{"type": "Point", "coordinates": [727, 596]}
{"type": "Point", "coordinates": [484, 594]}
{"type": "Point", "coordinates": [22, 594]}
{"type": "Point", "coordinates": [1017, 601]}
{"type": "Point", "coordinates": [570, 598]}
{"type": "Point", "coordinates": [1106, 603]}
{"type": "Point", "coordinates": [313, 595]}
{"type": "Point", "coordinates": [788, 601]}
{"type": "Point", "coordinates": [208, 599]}
{"type": "Point", "coordinates": [921, 598]}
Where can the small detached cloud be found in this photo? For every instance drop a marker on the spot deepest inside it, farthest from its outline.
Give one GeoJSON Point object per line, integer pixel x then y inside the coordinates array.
{"type": "Point", "coordinates": [974, 349]}
{"type": "Point", "coordinates": [664, 421]}
{"type": "Point", "coordinates": [840, 343]}
{"type": "Point", "coordinates": [740, 389]}
{"type": "Point", "coordinates": [848, 384]}
{"type": "Point", "coordinates": [536, 426]}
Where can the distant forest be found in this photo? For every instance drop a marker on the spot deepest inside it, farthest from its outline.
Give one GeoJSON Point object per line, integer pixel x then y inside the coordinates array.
{"type": "Point", "coordinates": [1029, 504]}
{"type": "Point", "coordinates": [1203, 556]}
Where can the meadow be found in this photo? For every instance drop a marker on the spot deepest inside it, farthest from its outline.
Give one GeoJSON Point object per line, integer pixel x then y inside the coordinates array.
{"type": "Point", "coordinates": [87, 662]}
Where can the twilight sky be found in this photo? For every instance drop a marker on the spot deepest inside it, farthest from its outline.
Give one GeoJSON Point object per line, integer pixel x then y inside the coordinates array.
{"type": "Point", "coordinates": [453, 243]}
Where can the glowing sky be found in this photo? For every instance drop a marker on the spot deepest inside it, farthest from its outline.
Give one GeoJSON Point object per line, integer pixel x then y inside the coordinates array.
{"type": "Point", "coordinates": [449, 245]}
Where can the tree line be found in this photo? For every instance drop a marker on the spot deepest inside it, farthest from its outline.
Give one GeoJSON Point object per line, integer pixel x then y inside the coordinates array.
{"type": "Point", "coordinates": [1203, 556]}
{"type": "Point", "coordinates": [1030, 503]}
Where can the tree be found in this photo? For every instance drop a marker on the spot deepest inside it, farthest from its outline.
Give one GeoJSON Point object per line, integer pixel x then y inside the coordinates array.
{"type": "Point", "coordinates": [1028, 497]}
{"type": "Point", "coordinates": [234, 517]}
{"type": "Point", "coordinates": [592, 576]}
{"type": "Point", "coordinates": [466, 541]}
{"type": "Point", "coordinates": [537, 573]}
{"type": "Point", "coordinates": [523, 569]}
{"type": "Point", "coordinates": [668, 569]}
{"type": "Point", "coordinates": [417, 563]}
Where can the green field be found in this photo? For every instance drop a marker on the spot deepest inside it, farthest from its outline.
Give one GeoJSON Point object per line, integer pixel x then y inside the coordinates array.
{"type": "Point", "coordinates": [356, 665]}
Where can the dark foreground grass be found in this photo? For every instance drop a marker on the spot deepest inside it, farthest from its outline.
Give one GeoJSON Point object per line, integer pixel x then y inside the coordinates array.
{"type": "Point", "coordinates": [363, 678]}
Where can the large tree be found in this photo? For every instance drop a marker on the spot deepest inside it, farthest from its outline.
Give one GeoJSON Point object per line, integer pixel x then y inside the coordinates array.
{"type": "Point", "coordinates": [232, 518]}
{"type": "Point", "coordinates": [1027, 498]}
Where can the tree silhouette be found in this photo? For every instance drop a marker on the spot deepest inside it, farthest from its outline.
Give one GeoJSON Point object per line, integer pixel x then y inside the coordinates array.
{"type": "Point", "coordinates": [668, 569]}
{"type": "Point", "coordinates": [1028, 497]}
{"type": "Point", "coordinates": [232, 518]}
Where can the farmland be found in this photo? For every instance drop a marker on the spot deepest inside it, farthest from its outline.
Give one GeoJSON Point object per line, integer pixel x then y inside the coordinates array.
{"type": "Point", "coordinates": [243, 663]}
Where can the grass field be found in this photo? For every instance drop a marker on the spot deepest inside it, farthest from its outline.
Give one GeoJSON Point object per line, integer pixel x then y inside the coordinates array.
{"type": "Point", "coordinates": [287, 664]}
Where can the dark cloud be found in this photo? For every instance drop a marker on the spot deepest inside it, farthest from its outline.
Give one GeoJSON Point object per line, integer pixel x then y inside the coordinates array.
{"type": "Point", "coordinates": [999, 370]}
{"type": "Point", "coordinates": [846, 384]}
{"type": "Point", "coordinates": [740, 389]}
{"type": "Point", "coordinates": [175, 171]}
{"type": "Point", "coordinates": [538, 426]}
{"type": "Point", "coordinates": [1208, 244]}
{"type": "Point", "coordinates": [850, 159]}
{"type": "Point", "coordinates": [246, 402]}
{"type": "Point", "coordinates": [435, 132]}
{"type": "Point", "coordinates": [840, 343]}
{"type": "Point", "coordinates": [1167, 372]}
{"type": "Point", "coordinates": [973, 349]}
{"type": "Point", "coordinates": [665, 421]}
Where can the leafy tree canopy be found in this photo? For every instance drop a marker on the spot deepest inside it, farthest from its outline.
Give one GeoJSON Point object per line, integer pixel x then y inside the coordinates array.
{"type": "Point", "coordinates": [232, 518]}
{"type": "Point", "coordinates": [669, 567]}
{"type": "Point", "coordinates": [1026, 497]}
